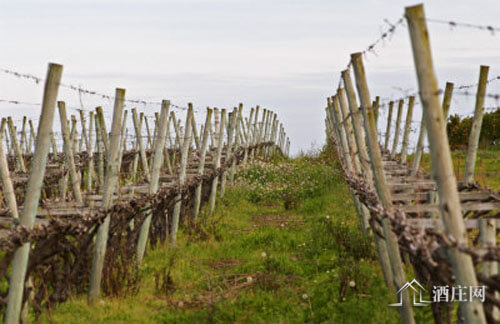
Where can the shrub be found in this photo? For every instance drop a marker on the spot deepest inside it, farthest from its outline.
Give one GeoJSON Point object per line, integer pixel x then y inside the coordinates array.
{"type": "Point", "coordinates": [459, 129]}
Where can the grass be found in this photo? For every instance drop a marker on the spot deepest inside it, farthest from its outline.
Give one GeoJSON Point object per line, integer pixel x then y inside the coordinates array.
{"type": "Point", "coordinates": [260, 263]}
{"type": "Point", "coordinates": [487, 170]}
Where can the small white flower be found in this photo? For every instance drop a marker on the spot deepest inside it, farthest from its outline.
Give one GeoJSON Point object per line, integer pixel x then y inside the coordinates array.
{"type": "Point", "coordinates": [249, 279]}
{"type": "Point", "coordinates": [304, 296]}
{"type": "Point", "coordinates": [352, 284]}
{"type": "Point", "coordinates": [263, 254]}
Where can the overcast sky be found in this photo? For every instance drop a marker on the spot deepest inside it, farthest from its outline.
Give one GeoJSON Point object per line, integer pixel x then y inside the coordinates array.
{"type": "Point", "coordinates": [282, 55]}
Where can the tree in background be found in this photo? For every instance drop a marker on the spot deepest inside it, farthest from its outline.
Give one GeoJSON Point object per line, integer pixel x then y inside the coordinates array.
{"type": "Point", "coordinates": [459, 130]}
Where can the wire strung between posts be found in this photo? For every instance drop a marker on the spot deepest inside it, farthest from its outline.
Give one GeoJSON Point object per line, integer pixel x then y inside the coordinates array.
{"type": "Point", "coordinates": [454, 24]}
{"type": "Point", "coordinates": [466, 93]}
{"type": "Point", "coordinates": [81, 91]}
{"type": "Point", "coordinates": [385, 35]}
{"type": "Point", "coordinates": [474, 85]}
{"type": "Point", "coordinates": [389, 32]}
{"type": "Point", "coordinates": [16, 102]}
{"type": "Point", "coordinates": [462, 91]}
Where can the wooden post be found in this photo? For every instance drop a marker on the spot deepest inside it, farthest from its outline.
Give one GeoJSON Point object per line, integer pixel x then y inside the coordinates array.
{"type": "Point", "coordinates": [123, 143]}
{"type": "Point", "coordinates": [53, 144]}
{"type": "Point", "coordinates": [35, 180]}
{"type": "Point", "coordinates": [477, 121]}
{"type": "Point", "coordinates": [23, 136]}
{"type": "Point", "coordinates": [178, 132]}
{"type": "Point", "coordinates": [229, 147]}
{"type": "Point", "coordinates": [334, 115]}
{"type": "Point", "coordinates": [249, 137]}
{"type": "Point", "coordinates": [142, 151]}
{"type": "Point", "coordinates": [487, 235]}
{"type": "Point", "coordinates": [357, 124]}
{"type": "Point", "coordinates": [110, 183]}
{"type": "Point", "coordinates": [169, 138]}
{"type": "Point", "coordinates": [364, 171]}
{"type": "Point", "coordinates": [254, 132]}
{"type": "Point", "coordinates": [155, 177]}
{"type": "Point", "coordinates": [7, 143]}
{"type": "Point", "coordinates": [7, 187]}
{"type": "Point", "coordinates": [376, 108]}
{"type": "Point", "coordinates": [463, 267]}
{"type": "Point", "coordinates": [201, 165]}
{"type": "Point", "coordinates": [216, 126]}
{"type": "Point", "coordinates": [32, 136]}
{"type": "Point", "coordinates": [406, 135]}
{"type": "Point", "coordinates": [382, 187]}
{"type": "Point", "coordinates": [237, 141]}
{"type": "Point", "coordinates": [148, 131]}
{"type": "Point", "coordinates": [195, 134]}
{"type": "Point", "coordinates": [182, 174]}
{"type": "Point", "coordinates": [90, 151]}
{"type": "Point", "coordinates": [335, 118]}
{"type": "Point", "coordinates": [215, 181]}
{"type": "Point", "coordinates": [448, 92]}
{"type": "Point", "coordinates": [100, 153]}
{"type": "Point", "coordinates": [397, 129]}
{"type": "Point", "coordinates": [15, 144]}
{"type": "Point", "coordinates": [168, 143]}
{"type": "Point", "coordinates": [417, 157]}
{"type": "Point", "coordinates": [74, 134]}
{"type": "Point", "coordinates": [84, 130]}
{"type": "Point", "coordinates": [388, 129]}
{"type": "Point", "coordinates": [347, 122]}
{"type": "Point", "coordinates": [104, 130]}
{"type": "Point", "coordinates": [70, 159]}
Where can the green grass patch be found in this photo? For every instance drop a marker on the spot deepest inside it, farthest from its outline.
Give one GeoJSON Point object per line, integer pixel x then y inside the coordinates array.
{"type": "Point", "coordinates": [487, 170]}
{"type": "Point", "coordinates": [264, 260]}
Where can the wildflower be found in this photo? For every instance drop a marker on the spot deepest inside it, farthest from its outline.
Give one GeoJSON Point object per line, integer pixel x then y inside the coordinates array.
{"type": "Point", "coordinates": [352, 284]}
{"type": "Point", "coordinates": [263, 254]}
{"type": "Point", "coordinates": [249, 279]}
{"type": "Point", "coordinates": [304, 296]}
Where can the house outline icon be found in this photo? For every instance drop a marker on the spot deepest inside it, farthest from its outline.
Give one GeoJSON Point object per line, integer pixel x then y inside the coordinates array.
{"type": "Point", "coordinates": [416, 291]}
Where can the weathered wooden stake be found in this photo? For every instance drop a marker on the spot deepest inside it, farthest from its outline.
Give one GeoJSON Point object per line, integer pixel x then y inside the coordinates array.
{"type": "Point", "coordinates": [201, 165]}
{"type": "Point", "coordinates": [488, 238]}
{"type": "Point", "coordinates": [463, 267]}
{"type": "Point", "coordinates": [7, 187]}
{"type": "Point", "coordinates": [477, 121]}
{"type": "Point", "coordinates": [182, 174]}
{"type": "Point", "coordinates": [70, 159]}
{"type": "Point", "coordinates": [397, 129]}
{"type": "Point", "coordinates": [388, 129]}
{"type": "Point", "coordinates": [15, 144]}
{"type": "Point", "coordinates": [90, 151]}
{"type": "Point", "coordinates": [104, 130]}
{"type": "Point", "coordinates": [406, 135]}
{"type": "Point", "coordinates": [155, 177]}
{"type": "Point", "coordinates": [140, 143]}
{"type": "Point", "coordinates": [215, 181]}
{"type": "Point", "coordinates": [230, 133]}
{"type": "Point", "coordinates": [110, 183]}
{"type": "Point", "coordinates": [35, 180]}
{"type": "Point", "coordinates": [382, 187]}
{"type": "Point", "coordinates": [419, 149]}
